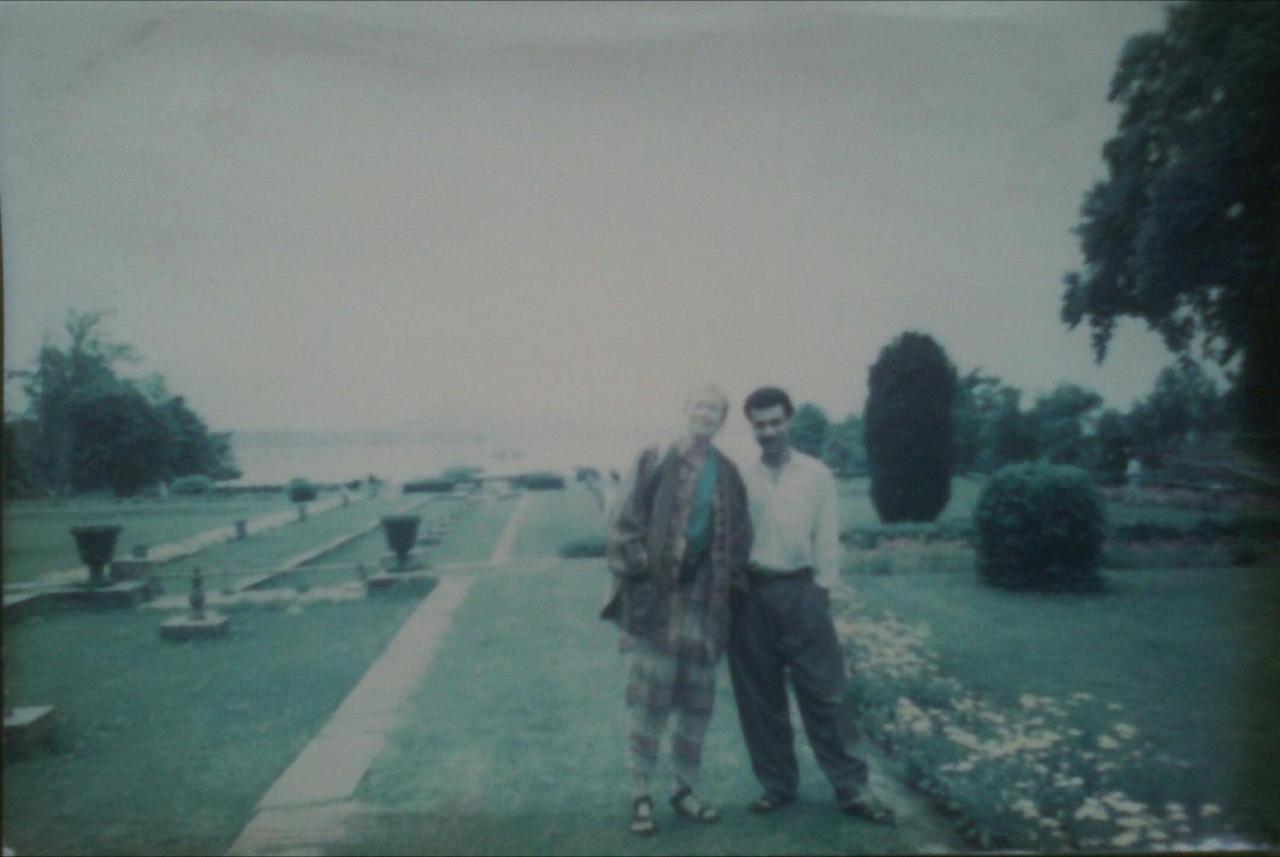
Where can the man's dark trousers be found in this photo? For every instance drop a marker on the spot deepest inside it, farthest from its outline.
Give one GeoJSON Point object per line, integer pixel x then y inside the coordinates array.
{"type": "Point", "coordinates": [781, 624]}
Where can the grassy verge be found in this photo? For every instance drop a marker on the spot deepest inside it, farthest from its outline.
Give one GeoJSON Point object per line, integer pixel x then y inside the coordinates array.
{"type": "Point", "coordinates": [165, 748]}
{"type": "Point", "coordinates": [517, 746]}
{"type": "Point", "coordinates": [37, 537]}
{"type": "Point", "coordinates": [554, 518]}
{"type": "Point", "coordinates": [1136, 718]}
{"type": "Point", "coordinates": [475, 533]}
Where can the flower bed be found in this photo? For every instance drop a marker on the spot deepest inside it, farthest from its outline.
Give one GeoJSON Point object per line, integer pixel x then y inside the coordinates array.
{"type": "Point", "coordinates": [1034, 776]}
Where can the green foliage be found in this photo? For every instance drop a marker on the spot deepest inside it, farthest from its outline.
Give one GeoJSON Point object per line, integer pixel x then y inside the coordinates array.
{"type": "Point", "coordinates": [809, 429]}
{"type": "Point", "coordinates": [988, 428]}
{"type": "Point", "coordinates": [540, 481]}
{"type": "Point", "coordinates": [87, 429]}
{"type": "Point", "coordinates": [197, 484]}
{"type": "Point", "coordinates": [428, 486]}
{"type": "Point", "coordinates": [1062, 422]}
{"type": "Point", "coordinates": [461, 473]}
{"type": "Point", "coordinates": [301, 490]}
{"type": "Point", "coordinates": [910, 449]}
{"type": "Point", "coordinates": [1113, 446]}
{"type": "Point", "coordinates": [1184, 400]}
{"type": "Point", "coordinates": [1184, 231]}
{"type": "Point", "coordinates": [844, 450]}
{"type": "Point", "coordinates": [1040, 527]}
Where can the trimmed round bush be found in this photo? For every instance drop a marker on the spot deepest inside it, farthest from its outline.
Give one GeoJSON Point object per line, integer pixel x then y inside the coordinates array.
{"type": "Point", "coordinates": [1040, 527]}
{"type": "Point", "coordinates": [194, 485]}
{"type": "Point", "coordinates": [301, 491]}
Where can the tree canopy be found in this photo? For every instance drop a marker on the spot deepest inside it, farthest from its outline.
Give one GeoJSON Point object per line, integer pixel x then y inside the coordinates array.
{"type": "Point", "coordinates": [1184, 232]}
{"type": "Point", "coordinates": [88, 429]}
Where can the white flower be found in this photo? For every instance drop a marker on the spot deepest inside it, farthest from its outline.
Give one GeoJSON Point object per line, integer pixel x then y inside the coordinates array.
{"type": "Point", "coordinates": [1209, 809]}
{"type": "Point", "coordinates": [1025, 808]}
{"type": "Point", "coordinates": [1092, 808]}
{"type": "Point", "coordinates": [1125, 839]}
{"type": "Point", "coordinates": [1125, 730]}
{"type": "Point", "coordinates": [1106, 742]}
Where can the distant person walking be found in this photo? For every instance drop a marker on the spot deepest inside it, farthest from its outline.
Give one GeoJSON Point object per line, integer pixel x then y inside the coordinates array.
{"type": "Point", "coordinates": [678, 537]}
{"type": "Point", "coordinates": [782, 621]}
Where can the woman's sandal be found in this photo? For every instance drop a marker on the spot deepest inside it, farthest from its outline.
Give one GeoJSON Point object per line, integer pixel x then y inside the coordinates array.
{"type": "Point", "coordinates": [686, 804]}
{"type": "Point", "coordinates": [642, 823]}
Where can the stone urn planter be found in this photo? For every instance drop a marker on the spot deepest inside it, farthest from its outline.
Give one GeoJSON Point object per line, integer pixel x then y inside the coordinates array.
{"type": "Point", "coordinates": [401, 532]}
{"type": "Point", "coordinates": [97, 546]}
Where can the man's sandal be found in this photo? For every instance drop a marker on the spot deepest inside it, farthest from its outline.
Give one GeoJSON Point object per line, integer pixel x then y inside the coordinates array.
{"type": "Point", "coordinates": [642, 823]}
{"type": "Point", "coordinates": [686, 804]}
{"type": "Point", "coordinates": [771, 802]}
{"type": "Point", "coordinates": [861, 806]}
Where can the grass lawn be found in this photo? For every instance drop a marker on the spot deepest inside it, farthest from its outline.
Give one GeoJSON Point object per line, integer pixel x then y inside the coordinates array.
{"type": "Point", "coordinates": [857, 511]}
{"type": "Point", "coordinates": [554, 518]}
{"type": "Point", "coordinates": [1190, 654]}
{"type": "Point", "coordinates": [518, 746]}
{"type": "Point", "coordinates": [270, 549]}
{"type": "Point", "coordinates": [165, 748]}
{"type": "Point", "coordinates": [475, 533]}
{"type": "Point", "coordinates": [37, 537]}
{"type": "Point", "coordinates": [371, 548]}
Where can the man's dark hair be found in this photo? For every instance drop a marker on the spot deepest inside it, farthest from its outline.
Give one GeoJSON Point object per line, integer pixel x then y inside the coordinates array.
{"type": "Point", "coordinates": [767, 397]}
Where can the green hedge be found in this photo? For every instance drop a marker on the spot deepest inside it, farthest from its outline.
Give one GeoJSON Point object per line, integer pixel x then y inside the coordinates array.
{"type": "Point", "coordinates": [1040, 527]}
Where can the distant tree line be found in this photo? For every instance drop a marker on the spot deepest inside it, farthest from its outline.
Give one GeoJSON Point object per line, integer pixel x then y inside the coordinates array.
{"type": "Point", "coordinates": [87, 429]}
{"type": "Point", "coordinates": [990, 426]}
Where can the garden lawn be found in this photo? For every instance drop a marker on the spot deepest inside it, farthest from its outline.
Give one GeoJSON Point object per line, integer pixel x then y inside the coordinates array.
{"type": "Point", "coordinates": [857, 510]}
{"type": "Point", "coordinates": [555, 518]}
{"type": "Point", "coordinates": [37, 538]}
{"type": "Point", "coordinates": [339, 565]}
{"type": "Point", "coordinates": [475, 533]}
{"type": "Point", "coordinates": [517, 746]}
{"type": "Point", "coordinates": [1189, 653]}
{"type": "Point", "coordinates": [165, 748]}
{"type": "Point", "coordinates": [269, 550]}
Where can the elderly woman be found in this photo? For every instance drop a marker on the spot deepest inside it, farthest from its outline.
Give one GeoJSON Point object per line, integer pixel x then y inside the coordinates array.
{"type": "Point", "coordinates": [679, 539]}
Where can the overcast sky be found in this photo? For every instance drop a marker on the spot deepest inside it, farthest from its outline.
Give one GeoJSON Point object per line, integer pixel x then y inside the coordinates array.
{"type": "Point", "coordinates": [332, 216]}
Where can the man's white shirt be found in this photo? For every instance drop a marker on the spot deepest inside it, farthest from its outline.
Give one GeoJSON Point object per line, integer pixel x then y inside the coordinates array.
{"type": "Point", "coordinates": [794, 517]}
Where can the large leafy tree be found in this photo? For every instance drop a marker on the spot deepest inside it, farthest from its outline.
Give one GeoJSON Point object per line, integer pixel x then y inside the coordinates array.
{"type": "Point", "coordinates": [1184, 232]}
{"type": "Point", "coordinates": [1064, 420]}
{"type": "Point", "coordinates": [88, 429]}
{"type": "Point", "coordinates": [910, 448]}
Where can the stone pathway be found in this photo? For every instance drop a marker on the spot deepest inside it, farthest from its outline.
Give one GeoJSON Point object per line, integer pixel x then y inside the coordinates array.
{"type": "Point", "coordinates": [311, 799]}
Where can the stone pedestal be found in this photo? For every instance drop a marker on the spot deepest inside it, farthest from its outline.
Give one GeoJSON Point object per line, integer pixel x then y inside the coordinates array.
{"type": "Point", "coordinates": [28, 725]}
{"type": "Point", "coordinates": [412, 562]}
{"type": "Point", "coordinates": [401, 583]}
{"type": "Point", "coordinates": [211, 625]}
{"type": "Point", "coordinates": [242, 530]}
{"type": "Point", "coordinates": [131, 569]}
{"type": "Point", "coordinates": [123, 593]}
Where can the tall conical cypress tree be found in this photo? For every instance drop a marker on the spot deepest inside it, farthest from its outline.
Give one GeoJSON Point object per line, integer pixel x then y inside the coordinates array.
{"type": "Point", "coordinates": [910, 451]}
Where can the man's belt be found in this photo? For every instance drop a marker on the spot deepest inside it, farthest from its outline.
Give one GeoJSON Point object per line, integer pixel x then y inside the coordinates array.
{"type": "Point", "coordinates": [759, 574]}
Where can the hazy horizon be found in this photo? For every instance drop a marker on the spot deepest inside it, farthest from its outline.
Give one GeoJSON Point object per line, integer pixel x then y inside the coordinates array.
{"type": "Point", "coordinates": [358, 217]}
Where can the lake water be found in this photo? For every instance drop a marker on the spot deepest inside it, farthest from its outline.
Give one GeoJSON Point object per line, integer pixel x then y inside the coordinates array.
{"type": "Point", "coordinates": [396, 461]}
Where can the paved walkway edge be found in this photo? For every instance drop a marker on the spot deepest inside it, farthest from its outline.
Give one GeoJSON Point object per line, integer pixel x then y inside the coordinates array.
{"type": "Point", "coordinates": [330, 768]}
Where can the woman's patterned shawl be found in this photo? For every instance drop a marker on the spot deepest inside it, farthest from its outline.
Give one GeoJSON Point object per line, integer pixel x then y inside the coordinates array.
{"type": "Point", "coordinates": [645, 568]}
